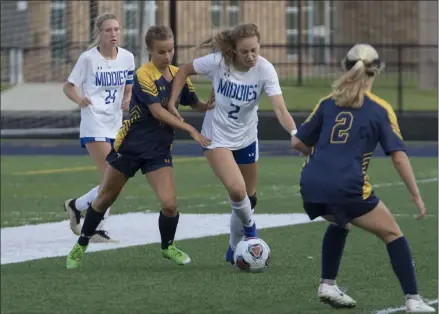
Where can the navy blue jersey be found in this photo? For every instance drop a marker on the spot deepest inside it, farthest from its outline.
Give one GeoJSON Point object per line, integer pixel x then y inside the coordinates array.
{"type": "Point", "coordinates": [142, 135]}
{"type": "Point", "coordinates": [343, 141]}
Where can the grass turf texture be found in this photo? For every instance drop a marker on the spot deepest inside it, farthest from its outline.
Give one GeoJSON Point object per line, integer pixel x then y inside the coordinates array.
{"type": "Point", "coordinates": [138, 279]}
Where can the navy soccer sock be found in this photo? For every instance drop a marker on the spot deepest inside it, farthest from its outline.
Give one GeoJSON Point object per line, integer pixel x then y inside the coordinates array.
{"type": "Point", "coordinates": [167, 227]}
{"type": "Point", "coordinates": [91, 222]}
{"type": "Point", "coordinates": [332, 251]}
{"type": "Point", "coordinates": [402, 264]}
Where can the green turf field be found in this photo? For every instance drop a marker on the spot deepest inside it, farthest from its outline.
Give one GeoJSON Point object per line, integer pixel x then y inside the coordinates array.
{"type": "Point", "coordinates": [138, 280]}
{"type": "Point", "coordinates": [306, 97]}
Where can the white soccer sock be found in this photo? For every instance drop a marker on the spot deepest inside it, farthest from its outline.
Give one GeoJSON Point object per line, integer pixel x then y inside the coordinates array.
{"type": "Point", "coordinates": [236, 233]}
{"type": "Point", "coordinates": [101, 225]}
{"type": "Point", "coordinates": [236, 230]}
{"type": "Point", "coordinates": [243, 210]}
{"type": "Point", "coordinates": [85, 200]}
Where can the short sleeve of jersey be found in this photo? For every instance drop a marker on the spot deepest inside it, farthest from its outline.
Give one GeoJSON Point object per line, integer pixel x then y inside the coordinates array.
{"type": "Point", "coordinates": [389, 134]}
{"type": "Point", "coordinates": [207, 65]}
{"type": "Point", "coordinates": [188, 96]}
{"type": "Point", "coordinates": [79, 72]}
{"type": "Point", "coordinates": [309, 131]}
{"type": "Point", "coordinates": [131, 68]}
{"type": "Point", "coordinates": [271, 80]}
{"type": "Point", "coordinates": [148, 93]}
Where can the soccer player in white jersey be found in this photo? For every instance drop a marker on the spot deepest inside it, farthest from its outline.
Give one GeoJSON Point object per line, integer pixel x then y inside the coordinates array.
{"type": "Point", "coordinates": [104, 73]}
{"type": "Point", "coordinates": [239, 76]}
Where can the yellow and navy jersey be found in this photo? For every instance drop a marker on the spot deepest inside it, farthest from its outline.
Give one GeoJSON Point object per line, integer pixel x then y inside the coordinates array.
{"type": "Point", "coordinates": [142, 135]}
{"type": "Point", "coordinates": [343, 141]}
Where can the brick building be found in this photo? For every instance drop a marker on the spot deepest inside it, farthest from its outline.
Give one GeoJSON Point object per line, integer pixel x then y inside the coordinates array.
{"type": "Point", "coordinates": [56, 32]}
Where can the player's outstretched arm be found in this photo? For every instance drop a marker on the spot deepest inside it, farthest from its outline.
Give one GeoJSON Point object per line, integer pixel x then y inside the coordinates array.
{"type": "Point", "coordinates": [177, 86]}
{"type": "Point", "coordinates": [282, 114]}
{"type": "Point", "coordinates": [402, 165]}
{"type": "Point", "coordinates": [163, 115]}
{"type": "Point", "coordinates": [300, 147]}
{"type": "Point", "coordinates": [203, 106]}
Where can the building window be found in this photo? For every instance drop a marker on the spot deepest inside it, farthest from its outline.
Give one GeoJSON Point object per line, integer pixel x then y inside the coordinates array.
{"type": "Point", "coordinates": [225, 13]}
{"type": "Point", "coordinates": [316, 17]}
{"type": "Point", "coordinates": [58, 26]}
{"type": "Point", "coordinates": [292, 25]}
{"type": "Point", "coordinates": [131, 26]}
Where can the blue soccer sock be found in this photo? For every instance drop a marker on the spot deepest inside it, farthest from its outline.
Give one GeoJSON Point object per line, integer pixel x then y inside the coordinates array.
{"type": "Point", "coordinates": [332, 251]}
{"type": "Point", "coordinates": [402, 264]}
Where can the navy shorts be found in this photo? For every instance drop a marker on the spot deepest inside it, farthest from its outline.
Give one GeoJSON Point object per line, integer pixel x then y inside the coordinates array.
{"type": "Point", "coordinates": [130, 165]}
{"type": "Point", "coordinates": [246, 155]}
{"type": "Point", "coordinates": [86, 140]}
{"type": "Point", "coordinates": [342, 212]}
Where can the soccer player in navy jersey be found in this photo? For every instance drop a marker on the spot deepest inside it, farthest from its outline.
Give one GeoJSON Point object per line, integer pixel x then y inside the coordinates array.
{"type": "Point", "coordinates": [339, 138]}
{"type": "Point", "coordinates": [144, 142]}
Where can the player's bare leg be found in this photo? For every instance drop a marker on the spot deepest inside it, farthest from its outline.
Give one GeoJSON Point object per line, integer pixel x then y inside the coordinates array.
{"type": "Point", "coordinates": [111, 187]}
{"type": "Point", "coordinates": [225, 168]}
{"type": "Point", "coordinates": [382, 223]}
{"type": "Point", "coordinates": [162, 182]}
{"type": "Point", "coordinates": [98, 151]}
{"type": "Point", "coordinates": [332, 252]}
{"type": "Point", "coordinates": [250, 175]}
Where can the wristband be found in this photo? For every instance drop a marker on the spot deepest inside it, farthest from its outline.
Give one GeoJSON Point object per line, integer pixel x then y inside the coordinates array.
{"type": "Point", "coordinates": [293, 132]}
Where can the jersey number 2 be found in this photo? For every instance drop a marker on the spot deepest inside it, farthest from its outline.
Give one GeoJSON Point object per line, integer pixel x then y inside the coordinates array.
{"type": "Point", "coordinates": [111, 97]}
{"type": "Point", "coordinates": [340, 131]}
{"type": "Point", "coordinates": [232, 113]}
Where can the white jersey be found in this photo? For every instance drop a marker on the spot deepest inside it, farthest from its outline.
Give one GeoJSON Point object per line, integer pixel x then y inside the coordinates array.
{"type": "Point", "coordinates": [234, 120]}
{"type": "Point", "coordinates": [103, 82]}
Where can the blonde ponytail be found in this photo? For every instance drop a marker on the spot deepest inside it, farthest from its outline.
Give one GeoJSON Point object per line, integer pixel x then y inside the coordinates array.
{"type": "Point", "coordinates": [361, 64]}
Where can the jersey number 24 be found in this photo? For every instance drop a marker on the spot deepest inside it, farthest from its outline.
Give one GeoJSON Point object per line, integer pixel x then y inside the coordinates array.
{"type": "Point", "coordinates": [111, 96]}
{"type": "Point", "coordinates": [340, 131]}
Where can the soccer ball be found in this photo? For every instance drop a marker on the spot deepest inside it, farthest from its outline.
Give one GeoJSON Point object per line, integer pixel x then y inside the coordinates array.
{"type": "Point", "coordinates": [252, 255]}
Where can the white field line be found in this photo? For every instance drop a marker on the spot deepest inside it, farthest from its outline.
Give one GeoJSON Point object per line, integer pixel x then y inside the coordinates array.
{"type": "Point", "coordinates": [33, 242]}
{"type": "Point", "coordinates": [402, 308]}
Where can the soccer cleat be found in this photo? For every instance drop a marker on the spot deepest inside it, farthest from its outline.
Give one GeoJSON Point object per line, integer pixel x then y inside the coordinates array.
{"type": "Point", "coordinates": [250, 232]}
{"type": "Point", "coordinates": [332, 295]}
{"type": "Point", "coordinates": [229, 256]}
{"type": "Point", "coordinates": [176, 255]}
{"type": "Point", "coordinates": [101, 236]}
{"type": "Point", "coordinates": [75, 255]}
{"type": "Point", "coordinates": [74, 216]}
{"type": "Point", "coordinates": [415, 304]}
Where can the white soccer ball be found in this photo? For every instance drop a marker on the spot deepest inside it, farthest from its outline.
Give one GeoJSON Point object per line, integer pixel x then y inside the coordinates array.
{"type": "Point", "coordinates": [252, 255]}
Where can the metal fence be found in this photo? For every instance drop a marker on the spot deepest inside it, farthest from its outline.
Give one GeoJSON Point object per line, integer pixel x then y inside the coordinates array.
{"type": "Point", "coordinates": [305, 39]}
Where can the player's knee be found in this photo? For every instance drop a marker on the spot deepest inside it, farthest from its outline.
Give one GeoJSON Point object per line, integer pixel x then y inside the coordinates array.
{"type": "Point", "coordinates": [253, 200]}
{"type": "Point", "coordinates": [169, 208]}
{"type": "Point", "coordinates": [389, 234]}
{"type": "Point", "coordinates": [237, 193]}
{"type": "Point", "coordinates": [105, 198]}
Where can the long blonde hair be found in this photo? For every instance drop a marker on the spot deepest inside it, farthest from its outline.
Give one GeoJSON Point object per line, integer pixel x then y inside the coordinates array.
{"type": "Point", "coordinates": [98, 25]}
{"type": "Point", "coordinates": [362, 64]}
{"type": "Point", "coordinates": [225, 40]}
